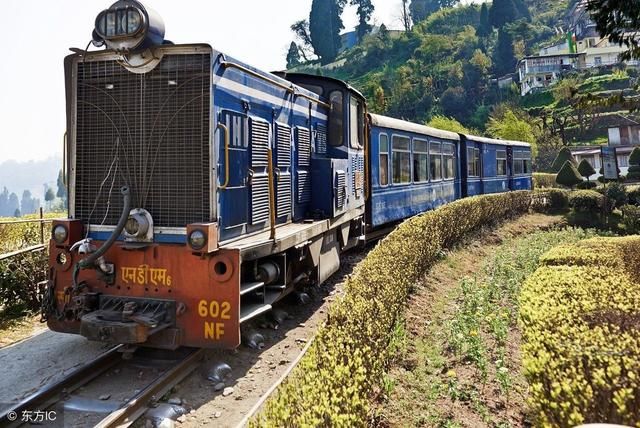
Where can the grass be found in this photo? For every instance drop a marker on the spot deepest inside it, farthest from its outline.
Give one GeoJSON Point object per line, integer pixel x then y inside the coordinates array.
{"type": "Point", "coordinates": [463, 367]}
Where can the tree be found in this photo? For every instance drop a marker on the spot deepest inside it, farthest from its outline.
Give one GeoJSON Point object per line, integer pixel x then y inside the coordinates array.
{"type": "Point", "coordinates": [421, 9]}
{"type": "Point", "coordinates": [325, 24]}
{"type": "Point", "coordinates": [293, 56]}
{"type": "Point", "coordinates": [4, 203]}
{"type": "Point", "coordinates": [17, 213]}
{"type": "Point", "coordinates": [564, 156]}
{"type": "Point", "coordinates": [568, 175]}
{"type": "Point", "coordinates": [301, 29]}
{"type": "Point", "coordinates": [585, 169]}
{"type": "Point", "coordinates": [454, 102]}
{"type": "Point", "coordinates": [509, 126]}
{"type": "Point", "coordinates": [14, 205]}
{"type": "Point", "coordinates": [62, 189]}
{"type": "Point", "coordinates": [49, 196]}
{"type": "Point", "coordinates": [405, 16]}
{"type": "Point", "coordinates": [449, 124]}
{"type": "Point", "coordinates": [28, 203]}
{"type": "Point", "coordinates": [618, 20]}
{"type": "Point", "coordinates": [504, 60]}
{"type": "Point", "coordinates": [523, 10]}
{"type": "Point", "coordinates": [364, 11]}
{"type": "Point", "coordinates": [484, 29]}
{"type": "Point", "coordinates": [502, 12]}
{"type": "Point", "coordinates": [634, 165]}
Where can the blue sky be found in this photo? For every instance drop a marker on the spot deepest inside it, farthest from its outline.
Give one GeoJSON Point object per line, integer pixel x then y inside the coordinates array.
{"type": "Point", "coordinates": [35, 36]}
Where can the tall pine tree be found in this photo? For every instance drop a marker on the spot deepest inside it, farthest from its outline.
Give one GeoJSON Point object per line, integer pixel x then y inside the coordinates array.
{"type": "Point", "coordinates": [504, 59]}
{"type": "Point", "coordinates": [293, 56]}
{"type": "Point", "coordinates": [502, 12]}
{"type": "Point", "coordinates": [484, 29]}
{"type": "Point", "coordinates": [365, 10]}
{"type": "Point", "coordinates": [325, 24]}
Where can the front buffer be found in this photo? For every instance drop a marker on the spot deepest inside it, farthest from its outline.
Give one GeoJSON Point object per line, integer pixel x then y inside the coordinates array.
{"type": "Point", "coordinates": [160, 295]}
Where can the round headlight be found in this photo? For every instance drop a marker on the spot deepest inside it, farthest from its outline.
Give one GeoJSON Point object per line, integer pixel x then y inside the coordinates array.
{"type": "Point", "coordinates": [197, 239]}
{"type": "Point", "coordinates": [59, 234]}
{"type": "Point", "coordinates": [132, 226]}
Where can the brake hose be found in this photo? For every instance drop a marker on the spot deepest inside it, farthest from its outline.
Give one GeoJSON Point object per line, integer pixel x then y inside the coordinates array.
{"type": "Point", "coordinates": [89, 261]}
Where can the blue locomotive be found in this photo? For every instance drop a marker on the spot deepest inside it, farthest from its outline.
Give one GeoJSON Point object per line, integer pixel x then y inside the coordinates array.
{"type": "Point", "coordinates": [203, 190]}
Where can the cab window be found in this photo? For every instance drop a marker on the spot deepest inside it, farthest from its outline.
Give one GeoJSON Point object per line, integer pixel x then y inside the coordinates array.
{"type": "Point", "coordinates": [356, 119]}
{"type": "Point", "coordinates": [336, 119]}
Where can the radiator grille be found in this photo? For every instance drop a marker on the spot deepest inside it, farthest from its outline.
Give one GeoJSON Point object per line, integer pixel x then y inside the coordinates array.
{"type": "Point", "coordinates": [304, 146]}
{"type": "Point", "coordinates": [259, 198]}
{"type": "Point", "coordinates": [283, 145]}
{"type": "Point", "coordinates": [304, 187]}
{"type": "Point", "coordinates": [149, 131]}
{"type": "Point", "coordinates": [357, 174]}
{"type": "Point", "coordinates": [259, 143]}
{"type": "Point", "coordinates": [284, 195]}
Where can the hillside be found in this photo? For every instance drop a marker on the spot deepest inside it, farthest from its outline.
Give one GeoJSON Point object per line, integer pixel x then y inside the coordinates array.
{"type": "Point", "coordinates": [442, 66]}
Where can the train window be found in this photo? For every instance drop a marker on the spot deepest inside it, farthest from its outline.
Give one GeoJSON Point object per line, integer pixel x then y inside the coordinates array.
{"type": "Point", "coordinates": [448, 161]}
{"type": "Point", "coordinates": [501, 162]}
{"type": "Point", "coordinates": [521, 162]}
{"type": "Point", "coordinates": [473, 162]}
{"type": "Point", "coordinates": [384, 159]}
{"type": "Point", "coordinates": [420, 161]}
{"type": "Point", "coordinates": [356, 123]}
{"type": "Point", "coordinates": [401, 160]}
{"type": "Point", "coordinates": [336, 119]}
{"type": "Point", "coordinates": [435, 160]}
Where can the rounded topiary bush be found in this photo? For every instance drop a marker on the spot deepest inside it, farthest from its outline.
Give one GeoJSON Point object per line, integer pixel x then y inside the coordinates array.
{"type": "Point", "coordinates": [585, 169]}
{"type": "Point", "coordinates": [568, 175]}
{"type": "Point", "coordinates": [634, 165]}
{"type": "Point", "coordinates": [586, 200]}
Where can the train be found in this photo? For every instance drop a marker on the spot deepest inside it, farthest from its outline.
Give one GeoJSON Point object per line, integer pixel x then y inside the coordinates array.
{"type": "Point", "coordinates": [203, 190]}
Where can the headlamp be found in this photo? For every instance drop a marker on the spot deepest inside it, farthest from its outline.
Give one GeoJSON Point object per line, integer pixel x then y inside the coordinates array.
{"type": "Point", "coordinates": [128, 25]}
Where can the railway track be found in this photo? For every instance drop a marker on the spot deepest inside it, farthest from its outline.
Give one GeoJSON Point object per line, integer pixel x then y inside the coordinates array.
{"type": "Point", "coordinates": [59, 398]}
{"type": "Point", "coordinates": [68, 396]}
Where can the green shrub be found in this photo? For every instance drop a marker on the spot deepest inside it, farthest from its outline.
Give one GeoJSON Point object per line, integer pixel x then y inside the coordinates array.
{"type": "Point", "coordinates": [586, 200]}
{"type": "Point", "coordinates": [568, 175]}
{"type": "Point", "coordinates": [550, 200]}
{"type": "Point", "coordinates": [633, 193]}
{"type": "Point", "coordinates": [587, 185]}
{"type": "Point", "coordinates": [579, 317]}
{"type": "Point", "coordinates": [585, 169]}
{"type": "Point", "coordinates": [542, 180]}
{"type": "Point", "coordinates": [19, 276]}
{"type": "Point", "coordinates": [333, 383]}
{"type": "Point", "coordinates": [616, 195]}
{"type": "Point", "coordinates": [631, 219]}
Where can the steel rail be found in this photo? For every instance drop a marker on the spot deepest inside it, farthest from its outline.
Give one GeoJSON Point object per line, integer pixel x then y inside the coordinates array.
{"type": "Point", "coordinates": [139, 404]}
{"type": "Point", "coordinates": [256, 407]}
{"type": "Point", "coordinates": [50, 394]}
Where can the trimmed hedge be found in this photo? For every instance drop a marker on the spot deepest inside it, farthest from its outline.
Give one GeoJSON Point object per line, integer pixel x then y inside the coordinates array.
{"type": "Point", "coordinates": [550, 200]}
{"type": "Point", "coordinates": [333, 383]}
{"type": "Point", "coordinates": [586, 200]}
{"type": "Point", "coordinates": [580, 320]}
{"type": "Point", "coordinates": [542, 180]}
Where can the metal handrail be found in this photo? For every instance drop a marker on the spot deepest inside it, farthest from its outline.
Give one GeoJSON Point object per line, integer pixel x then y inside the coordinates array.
{"type": "Point", "coordinates": [225, 129]}
{"type": "Point", "coordinates": [32, 248]}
